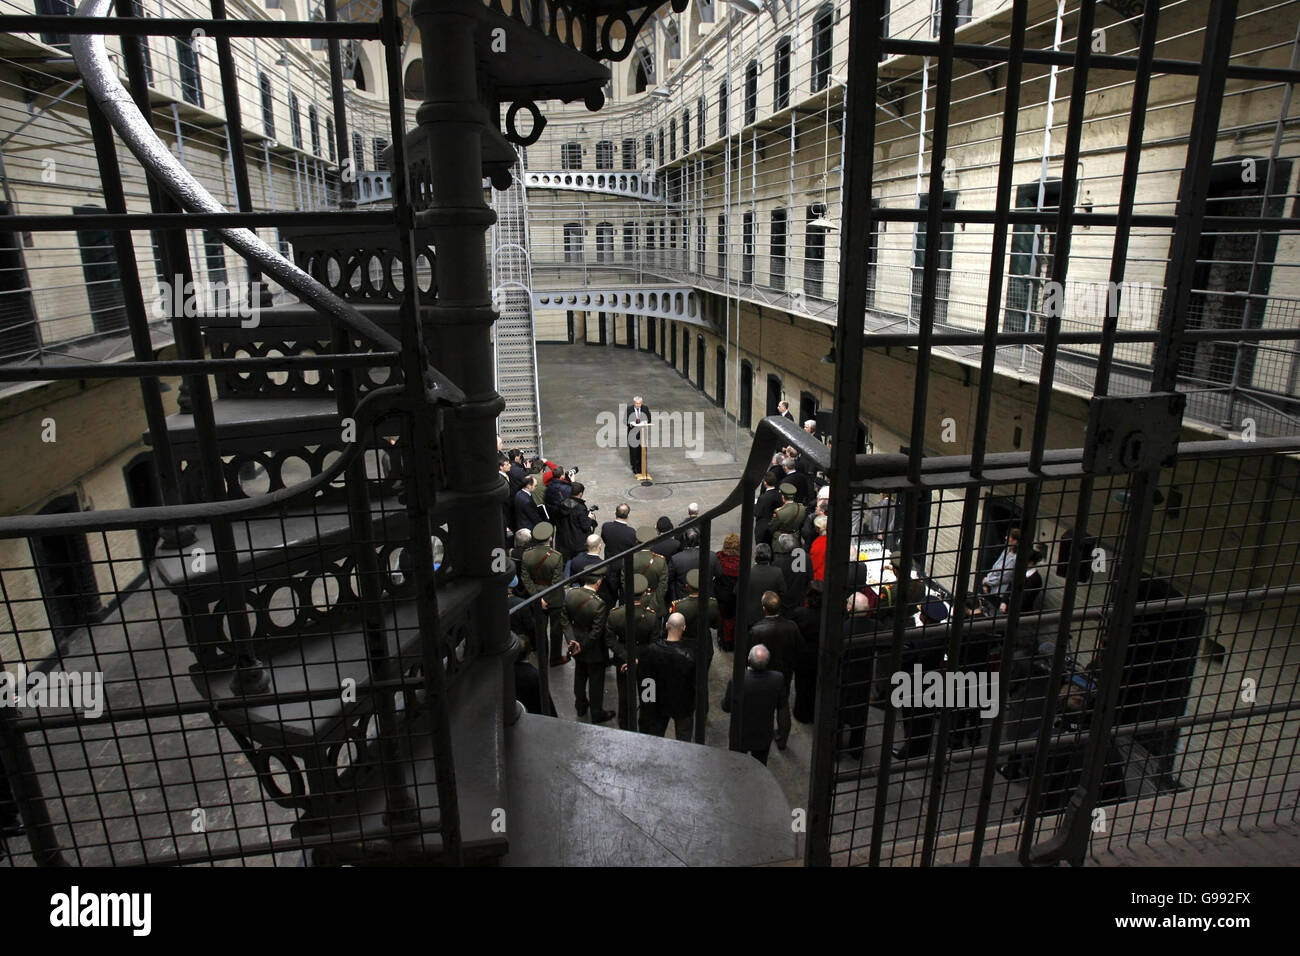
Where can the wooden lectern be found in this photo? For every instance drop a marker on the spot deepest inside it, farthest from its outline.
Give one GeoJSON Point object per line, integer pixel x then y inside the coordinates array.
{"type": "Point", "coordinates": [643, 476]}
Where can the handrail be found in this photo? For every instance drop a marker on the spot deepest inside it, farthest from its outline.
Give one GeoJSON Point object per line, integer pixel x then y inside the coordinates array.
{"type": "Point", "coordinates": [773, 432]}
{"type": "Point", "coordinates": [124, 116]}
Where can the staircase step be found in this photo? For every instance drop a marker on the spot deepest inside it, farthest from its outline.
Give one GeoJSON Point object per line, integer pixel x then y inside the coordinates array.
{"type": "Point", "coordinates": [324, 664]}
{"type": "Point", "coordinates": [307, 420]}
{"type": "Point", "coordinates": [621, 799]}
{"type": "Point", "coordinates": [474, 704]}
{"type": "Point", "coordinates": [276, 545]}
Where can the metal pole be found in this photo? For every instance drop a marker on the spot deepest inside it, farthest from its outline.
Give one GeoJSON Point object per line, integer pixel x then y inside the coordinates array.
{"type": "Point", "coordinates": [855, 228]}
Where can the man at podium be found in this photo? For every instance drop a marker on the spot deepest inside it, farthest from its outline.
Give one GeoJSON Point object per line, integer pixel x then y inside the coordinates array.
{"type": "Point", "coordinates": [638, 419]}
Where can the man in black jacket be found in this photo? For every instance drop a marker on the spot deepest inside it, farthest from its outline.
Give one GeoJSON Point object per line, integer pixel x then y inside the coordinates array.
{"type": "Point", "coordinates": [526, 513]}
{"type": "Point", "coordinates": [669, 546]}
{"type": "Point", "coordinates": [763, 576]}
{"type": "Point", "coordinates": [783, 641]}
{"type": "Point", "coordinates": [573, 522]}
{"type": "Point", "coordinates": [618, 534]}
{"type": "Point", "coordinates": [796, 568]}
{"type": "Point", "coordinates": [669, 666]}
{"type": "Point", "coordinates": [769, 499]}
{"type": "Point", "coordinates": [762, 695]}
{"type": "Point", "coordinates": [684, 561]}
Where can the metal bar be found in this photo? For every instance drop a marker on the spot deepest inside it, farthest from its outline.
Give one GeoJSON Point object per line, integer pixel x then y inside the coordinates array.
{"type": "Point", "coordinates": [172, 367]}
{"type": "Point", "coordinates": [703, 639]}
{"type": "Point", "coordinates": [1071, 839]}
{"type": "Point", "coordinates": [103, 25]}
{"type": "Point", "coordinates": [970, 509]}
{"type": "Point", "coordinates": [856, 228]}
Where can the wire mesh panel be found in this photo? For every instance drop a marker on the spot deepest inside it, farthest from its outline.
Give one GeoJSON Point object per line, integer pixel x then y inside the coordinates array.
{"type": "Point", "coordinates": [1086, 643]}
{"type": "Point", "coordinates": [1205, 725]}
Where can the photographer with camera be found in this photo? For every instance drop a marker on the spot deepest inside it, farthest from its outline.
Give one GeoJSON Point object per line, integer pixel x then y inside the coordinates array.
{"type": "Point", "coordinates": [573, 522]}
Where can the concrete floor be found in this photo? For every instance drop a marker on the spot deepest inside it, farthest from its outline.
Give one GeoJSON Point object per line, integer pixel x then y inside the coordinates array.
{"type": "Point", "coordinates": [576, 383]}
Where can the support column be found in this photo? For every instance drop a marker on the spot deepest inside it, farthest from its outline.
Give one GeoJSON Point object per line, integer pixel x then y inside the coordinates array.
{"type": "Point", "coordinates": [457, 326]}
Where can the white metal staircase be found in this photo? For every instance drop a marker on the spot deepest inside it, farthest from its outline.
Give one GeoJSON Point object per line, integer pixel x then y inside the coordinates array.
{"type": "Point", "coordinates": [514, 338]}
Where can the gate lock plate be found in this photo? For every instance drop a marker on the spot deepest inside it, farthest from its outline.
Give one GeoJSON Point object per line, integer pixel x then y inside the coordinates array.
{"type": "Point", "coordinates": [1128, 433]}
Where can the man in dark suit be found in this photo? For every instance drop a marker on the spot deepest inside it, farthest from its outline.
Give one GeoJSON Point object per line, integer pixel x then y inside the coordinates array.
{"type": "Point", "coordinates": [681, 563]}
{"type": "Point", "coordinates": [763, 690]}
{"type": "Point", "coordinates": [618, 534]}
{"type": "Point", "coordinates": [669, 664]}
{"type": "Point", "coordinates": [517, 471]}
{"type": "Point", "coordinates": [783, 641]}
{"type": "Point", "coordinates": [637, 414]}
{"type": "Point", "coordinates": [783, 409]}
{"type": "Point", "coordinates": [796, 567]}
{"type": "Point", "coordinates": [804, 492]}
{"type": "Point", "coordinates": [526, 513]}
{"type": "Point", "coordinates": [763, 576]}
{"type": "Point", "coordinates": [769, 499]}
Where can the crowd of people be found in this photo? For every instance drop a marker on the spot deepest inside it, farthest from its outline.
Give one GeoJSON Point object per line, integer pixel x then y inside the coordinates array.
{"type": "Point", "coordinates": [553, 536]}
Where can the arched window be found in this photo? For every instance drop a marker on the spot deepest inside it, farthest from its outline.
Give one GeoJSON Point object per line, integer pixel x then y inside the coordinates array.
{"type": "Point", "coordinates": [605, 242]}
{"type": "Point", "coordinates": [413, 84]}
{"type": "Point", "coordinates": [571, 156]}
{"type": "Point", "coordinates": [329, 138]}
{"type": "Point", "coordinates": [823, 39]}
{"type": "Point", "coordinates": [605, 154]}
{"type": "Point", "coordinates": [722, 108]}
{"type": "Point", "coordinates": [701, 240]}
{"type": "Point", "coordinates": [781, 75]}
{"type": "Point", "coordinates": [751, 92]}
{"type": "Point", "coordinates": [573, 238]}
{"type": "Point", "coordinates": [268, 105]}
{"type": "Point", "coordinates": [661, 145]}
{"type": "Point", "coordinates": [700, 118]}
{"type": "Point", "coordinates": [645, 69]}
{"type": "Point", "coordinates": [359, 75]}
{"type": "Point", "coordinates": [747, 249]}
{"type": "Point", "coordinates": [672, 139]}
{"type": "Point", "coordinates": [650, 148]}
{"type": "Point", "coordinates": [629, 241]}
{"type": "Point", "coordinates": [672, 39]}
{"type": "Point", "coordinates": [686, 132]}
{"type": "Point", "coordinates": [629, 154]}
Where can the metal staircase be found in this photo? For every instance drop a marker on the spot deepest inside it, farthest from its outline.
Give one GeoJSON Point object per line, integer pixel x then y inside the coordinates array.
{"type": "Point", "coordinates": [514, 339]}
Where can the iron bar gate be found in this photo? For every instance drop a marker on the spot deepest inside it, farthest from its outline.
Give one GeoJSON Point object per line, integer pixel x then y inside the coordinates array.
{"type": "Point", "coordinates": [1137, 658]}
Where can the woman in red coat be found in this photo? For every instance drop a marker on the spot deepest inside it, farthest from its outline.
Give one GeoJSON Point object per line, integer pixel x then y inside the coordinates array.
{"type": "Point", "coordinates": [724, 589]}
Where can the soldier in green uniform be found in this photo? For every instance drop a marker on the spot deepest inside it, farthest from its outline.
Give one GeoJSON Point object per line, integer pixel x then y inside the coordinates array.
{"type": "Point", "coordinates": [648, 626]}
{"type": "Point", "coordinates": [788, 518]}
{"type": "Point", "coordinates": [689, 608]}
{"type": "Point", "coordinates": [543, 566]}
{"type": "Point", "coordinates": [653, 567]}
{"type": "Point", "coordinates": [589, 615]}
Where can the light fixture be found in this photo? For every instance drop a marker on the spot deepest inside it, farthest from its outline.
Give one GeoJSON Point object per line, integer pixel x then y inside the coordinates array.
{"type": "Point", "coordinates": [821, 222]}
{"type": "Point", "coordinates": [829, 357]}
{"type": "Point", "coordinates": [706, 64]}
{"type": "Point", "coordinates": [662, 92]}
{"type": "Point", "coordinates": [748, 7]}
